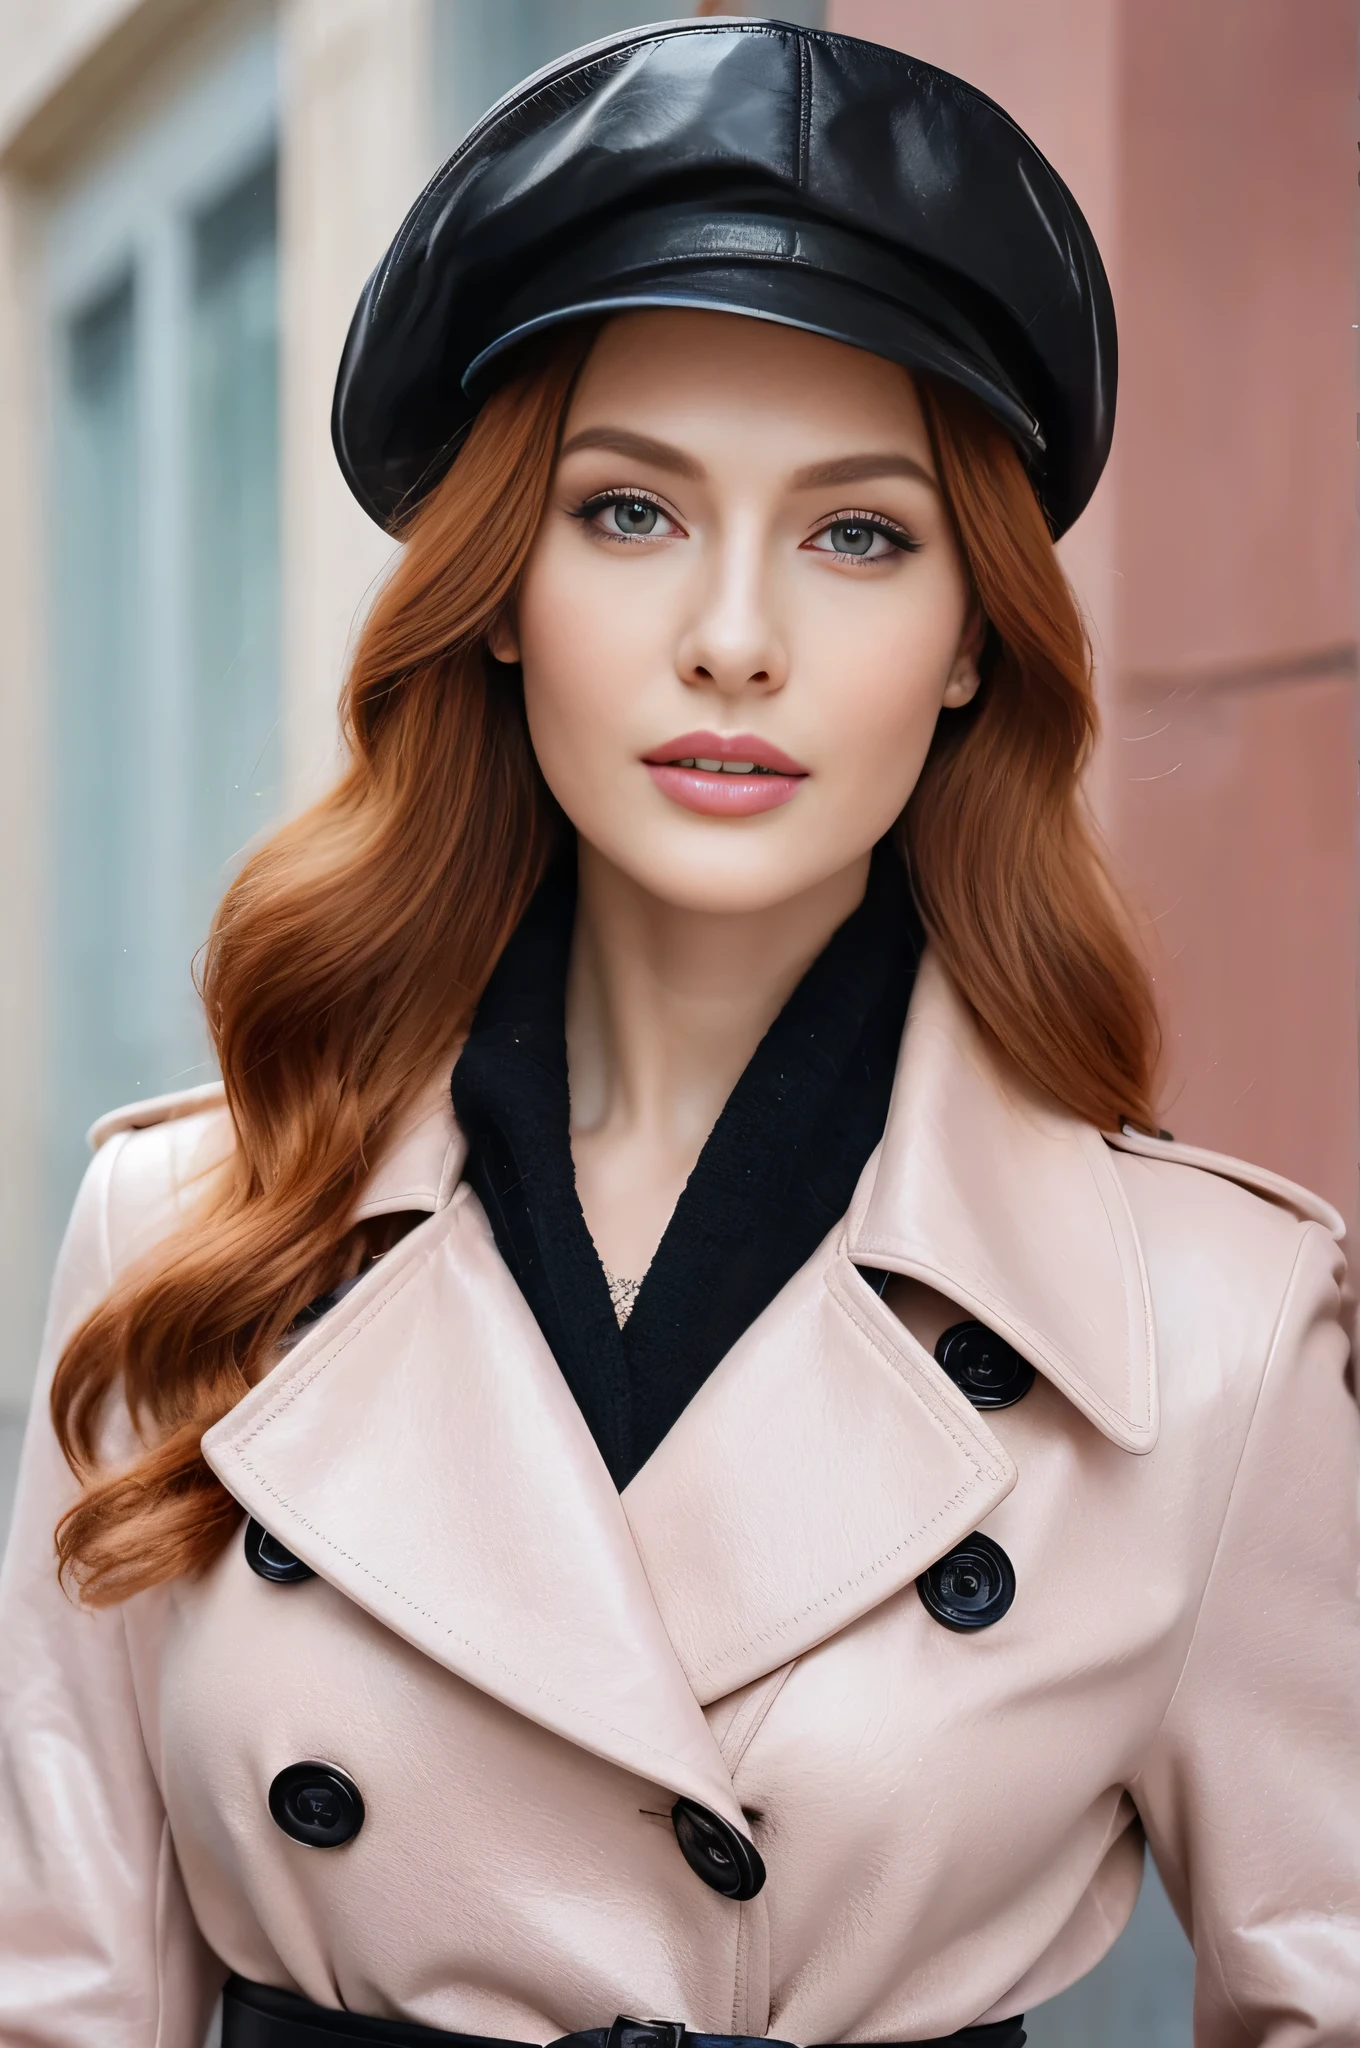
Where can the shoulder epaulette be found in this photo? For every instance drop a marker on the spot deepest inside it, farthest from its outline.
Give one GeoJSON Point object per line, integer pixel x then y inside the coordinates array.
{"type": "Point", "coordinates": [1259, 1180]}
{"type": "Point", "coordinates": [157, 1109]}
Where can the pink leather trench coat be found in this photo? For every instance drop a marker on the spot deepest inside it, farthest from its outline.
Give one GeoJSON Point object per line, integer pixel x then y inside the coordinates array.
{"type": "Point", "coordinates": [522, 1671]}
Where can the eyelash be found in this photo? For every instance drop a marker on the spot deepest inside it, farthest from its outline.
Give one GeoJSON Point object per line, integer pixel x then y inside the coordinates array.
{"type": "Point", "coordinates": [873, 521]}
{"type": "Point", "coordinates": [601, 502]}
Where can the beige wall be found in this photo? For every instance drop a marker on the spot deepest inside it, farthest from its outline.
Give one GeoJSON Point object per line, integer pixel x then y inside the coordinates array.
{"type": "Point", "coordinates": [350, 68]}
{"type": "Point", "coordinates": [72, 73]}
{"type": "Point", "coordinates": [1213, 148]}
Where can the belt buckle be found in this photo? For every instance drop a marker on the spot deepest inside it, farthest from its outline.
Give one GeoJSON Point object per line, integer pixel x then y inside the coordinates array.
{"type": "Point", "coordinates": [630, 2033]}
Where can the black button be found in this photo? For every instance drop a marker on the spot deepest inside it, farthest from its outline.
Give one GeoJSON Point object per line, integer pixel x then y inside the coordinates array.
{"type": "Point", "coordinates": [983, 1366]}
{"type": "Point", "coordinates": [322, 1304]}
{"type": "Point", "coordinates": [725, 1860]}
{"type": "Point", "coordinates": [266, 1556]}
{"type": "Point", "coordinates": [317, 1804]}
{"type": "Point", "coordinates": [971, 1587]}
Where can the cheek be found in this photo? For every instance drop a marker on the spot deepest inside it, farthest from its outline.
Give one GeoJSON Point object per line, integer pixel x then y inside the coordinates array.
{"type": "Point", "coordinates": [584, 651]}
{"type": "Point", "coordinates": [876, 662]}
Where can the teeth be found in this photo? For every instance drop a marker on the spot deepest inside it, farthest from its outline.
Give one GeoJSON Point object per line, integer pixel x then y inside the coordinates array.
{"type": "Point", "coordinates": [720, 767]}
{"type": "Point", "coordinates": [739, 767]}
{"type": "Point", "coordinates": [711, 767]}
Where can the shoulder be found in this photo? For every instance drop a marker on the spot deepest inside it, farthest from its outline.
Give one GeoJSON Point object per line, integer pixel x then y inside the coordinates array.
{"type": "Point", "coordinates": [1208, 1178]}
{"type": "Point", "coordinates": [151, 1159]}
{"type": "Point", "coordinates": [155, 1111]}
{"type": "Point", "coordinates": [1230, 1250]}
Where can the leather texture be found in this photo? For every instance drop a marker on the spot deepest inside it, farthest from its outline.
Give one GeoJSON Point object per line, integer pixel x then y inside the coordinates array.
{"type": "Point", "coordinates": [751, 167]}
{"type": "Point", "coordinates": [254, 2016]}
{"type": "Point", "coordinates": [522, 1671]}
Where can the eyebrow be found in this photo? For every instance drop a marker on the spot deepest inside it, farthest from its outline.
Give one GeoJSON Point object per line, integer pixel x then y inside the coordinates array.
{"type": "Point", "coordinates": [857, 469]}
{"type": "Point", "coordinates": [846, 469]}
{"type": "Point", "coordinates": [637, 447]}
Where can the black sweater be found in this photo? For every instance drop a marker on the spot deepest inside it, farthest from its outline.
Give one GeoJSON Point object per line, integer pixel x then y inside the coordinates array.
{"type": "Point", "coordinates": [778, 1170]}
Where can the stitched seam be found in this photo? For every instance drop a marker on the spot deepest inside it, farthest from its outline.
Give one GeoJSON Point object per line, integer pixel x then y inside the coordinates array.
{"type": "Point", "coordinates": [920, 1386]}
{"type": "Point", "coordinates": [277, 1408]}
{"type": "Point", "coordinates": [870, 1571]}
{"type": "Point", "coordinates": [572, 1707]}
{"type": "Point", "coordinates": [740, 1972]}
{"type": "Point", "coordinates": [751, 1720]}
{"type": "Point", "coordinates": [303, 1379]}
{"type": "Point", "coordinates": [982, 1472]}
{"type": "Point", "coordinates": [804, 110]}
{"type": "Point", "coordinates": [979, 1287]}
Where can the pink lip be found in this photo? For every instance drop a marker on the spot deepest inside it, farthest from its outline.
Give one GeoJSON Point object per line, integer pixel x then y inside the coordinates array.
{"type": "Point", "coordinates": [714, 792]}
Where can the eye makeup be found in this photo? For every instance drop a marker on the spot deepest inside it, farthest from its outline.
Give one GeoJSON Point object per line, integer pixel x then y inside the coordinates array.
{"type": "Point", "coordinates": [867, 522]}
{"type": "Point", "coordinates": [591, 509]}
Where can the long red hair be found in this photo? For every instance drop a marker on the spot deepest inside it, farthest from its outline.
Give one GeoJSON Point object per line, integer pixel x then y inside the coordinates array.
{"type": "Point", "coordinates": [346, 959]}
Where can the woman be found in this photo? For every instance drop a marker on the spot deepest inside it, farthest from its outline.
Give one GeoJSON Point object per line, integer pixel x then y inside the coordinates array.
{"type": "Point", "coordinates": [756, 1503]}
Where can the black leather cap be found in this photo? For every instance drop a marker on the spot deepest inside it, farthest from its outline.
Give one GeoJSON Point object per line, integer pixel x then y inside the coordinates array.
{"type": "Point", "coordinates": [750, 167]}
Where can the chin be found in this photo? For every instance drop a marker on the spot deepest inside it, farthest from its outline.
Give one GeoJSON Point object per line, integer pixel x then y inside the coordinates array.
{"type": "Point", "coordinates": [728, 868]}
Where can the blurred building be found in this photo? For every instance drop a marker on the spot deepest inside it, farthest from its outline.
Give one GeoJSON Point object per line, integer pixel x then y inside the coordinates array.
{"type": "Point", "coordinates": [191, 195]}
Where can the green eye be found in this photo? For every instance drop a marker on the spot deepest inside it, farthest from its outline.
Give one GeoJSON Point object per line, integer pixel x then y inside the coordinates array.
{"type": "Point", "coordinates": [635, 516]}
{"type": "Point", "coordinates": [847, 538]}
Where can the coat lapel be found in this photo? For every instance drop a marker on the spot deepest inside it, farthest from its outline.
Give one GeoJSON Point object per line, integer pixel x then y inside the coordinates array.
{"type": "Point", "coordinates": [420, 1451]}
{"type": "Point", "coordinates": [420, 1164]}
{"type": "Point", "coordinates": [828, 1461]}
{"type": "Point", "coordinates": [1012, 1208]}
{"type": "Point", "coordinates": [823, 1466]}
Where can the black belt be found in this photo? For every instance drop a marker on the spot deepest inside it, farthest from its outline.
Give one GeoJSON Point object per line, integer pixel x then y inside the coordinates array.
{"type": "Point", "coordinates": [256, 2016]}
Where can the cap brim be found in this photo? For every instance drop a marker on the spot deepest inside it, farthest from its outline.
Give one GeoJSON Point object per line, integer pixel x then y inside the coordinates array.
{"type": "Point", "coordinates": [832, 309]}
{"type": "Point", "coordinates": [807, 274]}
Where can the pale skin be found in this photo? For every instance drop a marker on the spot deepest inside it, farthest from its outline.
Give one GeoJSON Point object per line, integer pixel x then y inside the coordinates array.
{"type": "Point", "coordinates": [744, 537]}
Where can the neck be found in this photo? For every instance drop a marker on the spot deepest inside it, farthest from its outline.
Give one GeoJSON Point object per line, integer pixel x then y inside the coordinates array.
{"type": "Point", "coordinates": [666, 1005]}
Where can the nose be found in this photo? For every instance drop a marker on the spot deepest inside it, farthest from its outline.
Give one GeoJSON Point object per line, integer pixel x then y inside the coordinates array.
{"type": "Point", "coordinates": [732, 642]}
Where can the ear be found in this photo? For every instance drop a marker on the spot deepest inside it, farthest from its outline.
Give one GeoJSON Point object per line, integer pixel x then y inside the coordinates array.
{"type": "Point", "coordinates": [963, 681]}
{"type": "Point", "coordinates": [503, 639]}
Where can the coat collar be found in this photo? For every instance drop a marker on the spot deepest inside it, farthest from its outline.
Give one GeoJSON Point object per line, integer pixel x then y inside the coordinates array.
{"type": "Point", "coordinates": [1005, 1204]}
{"type": "Point", "coordinates": [419, 1448]}
{"type": "Point", "coordinates": [1012, 1208]}
{"type": "Point", "coordinates": [828, 1461]}
{"type": "Point", "coordinates": [420, 1165]}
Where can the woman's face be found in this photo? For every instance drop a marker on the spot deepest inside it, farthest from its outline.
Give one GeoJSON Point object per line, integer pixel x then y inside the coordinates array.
{"type": "Point", "coordinates": [744, 609]}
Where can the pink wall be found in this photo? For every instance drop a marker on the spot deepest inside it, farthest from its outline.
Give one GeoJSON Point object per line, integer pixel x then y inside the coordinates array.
{"type": "Point", "coordinates": [1237, 273]}
{"type": "Point", "coordinates": [1213, 148]}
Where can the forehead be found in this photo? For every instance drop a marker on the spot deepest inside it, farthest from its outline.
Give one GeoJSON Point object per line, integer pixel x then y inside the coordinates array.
{"type": "Point", "coordinates": [692, 375]}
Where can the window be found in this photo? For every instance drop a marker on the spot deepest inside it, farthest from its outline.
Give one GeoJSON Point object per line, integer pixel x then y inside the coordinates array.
{"type": "Point", "coordinates": [164, 748]}
{"type": "Point", "coordinates": [234, 766]}
{"type": "Point", "coordinates": [483, 47]}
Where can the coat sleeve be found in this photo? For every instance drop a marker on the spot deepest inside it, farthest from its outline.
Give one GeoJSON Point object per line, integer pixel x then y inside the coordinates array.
{"type": "Point", "coordinates": [1251, 1794]}
{"type": "Point", "coordinates": [97, 1943]}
